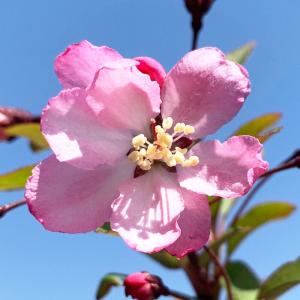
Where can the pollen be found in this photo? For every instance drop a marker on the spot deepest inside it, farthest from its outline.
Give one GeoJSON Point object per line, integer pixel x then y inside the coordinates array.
{"type": "Point", "coordinates": [145, 153]}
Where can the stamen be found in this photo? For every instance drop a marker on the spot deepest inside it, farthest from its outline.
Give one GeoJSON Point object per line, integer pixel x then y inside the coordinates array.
{"type": "Point", "coordinates": [138, 141]}
{"type": "Point", "coordinates": [167, 123]}
{"type": "Point", "coordinates": [146, 153]}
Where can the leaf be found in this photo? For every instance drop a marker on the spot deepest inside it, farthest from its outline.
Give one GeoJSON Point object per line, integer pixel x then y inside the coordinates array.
{"type": "Point", "coordinates": [265, 136]}
{"type": "Point", "coordinates": [105, 228]}
{"type": "Point", "coordinates": [108, 281]}
{"type": "Point", "coordinates": [241, 54]}
{"type": "Point", "coordinates": [245, 284]}
{"type": "Point", "coordinates": [258, 125]}
{"type": "Point", "coordinates": [258, 216]}
{"type": "Point", "coordinates": [284, 278]}
{"type": "Point", "coordinates": [31, 131]}
{"type": "Point", "coordinates": [15, 180]}
{"type": "Point", "coordinates": [166, 260]}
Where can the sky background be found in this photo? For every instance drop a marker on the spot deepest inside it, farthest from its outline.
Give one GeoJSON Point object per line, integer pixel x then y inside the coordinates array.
{"type": "Point", "coordinates": [36, 264]}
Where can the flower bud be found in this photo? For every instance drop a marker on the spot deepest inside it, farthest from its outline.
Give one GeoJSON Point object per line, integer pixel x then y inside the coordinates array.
{"type": "Point", "coordinates": [144, 286]}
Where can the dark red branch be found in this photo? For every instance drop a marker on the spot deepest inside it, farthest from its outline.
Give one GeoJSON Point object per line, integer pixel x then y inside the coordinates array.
{"type": "Point", "coordinates": [10, 206]}
{"type": "Point", "coordinates": [291, 162]}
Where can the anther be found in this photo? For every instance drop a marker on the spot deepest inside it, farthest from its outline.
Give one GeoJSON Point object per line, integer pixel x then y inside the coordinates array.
{"type": "Point", "coordinates": [167, 123]}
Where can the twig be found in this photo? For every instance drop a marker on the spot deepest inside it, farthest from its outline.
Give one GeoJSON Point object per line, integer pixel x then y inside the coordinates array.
{"type": "Point", "coordinates": [178, 295]}
{"type": "Point", "coordinates": [291, 162]}
{"type": "Point", "coordinates": [222, 270]}
{"type": "Point", "coordinates": [198, 9]}
{"type": "Point", "coordinates": [10, 206]}
{"type": "Point", "coordinates": [294, 163]}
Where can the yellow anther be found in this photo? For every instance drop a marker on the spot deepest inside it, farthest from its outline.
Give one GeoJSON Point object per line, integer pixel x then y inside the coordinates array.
{"type": "Point", "coordinates": [144, 164]}
{"type": "Point", "coordinates": [194, 160]}
{"type": "Point", "coordinates": [167, 123]}
{"type": "Point", "coordinates": [191, 162]}
{"type": "Point", "coordinates": [166, 153]}
{"type": "Point", "coordinates": [151, 150]}
{"type": "Point", "coordinates": [182, 150]}
{"type": "Point", "coordinates": [171, 162]}
{"type": "Point", "coordinates": [179, 157]}
{"type": "Point", "coordinates": [189, 129]}
{"type": "Point", "coordinates": [159, 129]}
{"type": "Point", "coordinates": [134, 156]}
{"type": "Point", "coordinates": [139, 141]}
{"type": "Point", "coordinates": [179, 127]}
{"type": "Point", "coordinates": [143, 152]}
{"type": "Point", "coordinates": [164, 140]}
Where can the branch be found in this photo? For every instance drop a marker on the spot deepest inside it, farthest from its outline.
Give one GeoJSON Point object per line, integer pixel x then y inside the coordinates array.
{"type": "Point", "coordinates": [10, 206]}
{"type": "Point", "coordinates": [198, 9]}
{"type": "Point", "coordinates": [178, 295]}
{"type": "Point", "coordinates": [222, 270]}
{"type": "Point", "coordinates": [291, 162]}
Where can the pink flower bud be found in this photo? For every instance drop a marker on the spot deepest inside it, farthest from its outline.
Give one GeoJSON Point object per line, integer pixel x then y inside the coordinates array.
{"type": "Point", "coordinates": [144, 286]}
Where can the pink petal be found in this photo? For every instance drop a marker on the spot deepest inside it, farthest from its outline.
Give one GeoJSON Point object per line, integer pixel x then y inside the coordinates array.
{"type": "Point", "coordinates": [68, 199]}
{"type": "Point", "coordinates": [151, 67]}
{"type": "Point", "coordinates": [124, 98]}
{"type": "Point", "coordinates": [194, 223]}
{"type": "Point", "coordinates": [77, 65]}
{"type": "Point", "coordinates": [226, 169]}
{"type": "Point", "coordinates": [204, 90]}
{"type": "Point", "coordinates": [146, 213]}
{"type": "Point", "coordinates": [76, 135]}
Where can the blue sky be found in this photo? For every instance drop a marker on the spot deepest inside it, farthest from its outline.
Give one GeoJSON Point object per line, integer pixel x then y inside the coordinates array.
{"type": "Point", "coordinates": [36, 264]}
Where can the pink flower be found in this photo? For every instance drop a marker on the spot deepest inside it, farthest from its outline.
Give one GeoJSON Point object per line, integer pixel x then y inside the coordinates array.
{"type": "Point", "coordinates": [113, 163]}
{"type": "Point", "coordinates": [144, 286]}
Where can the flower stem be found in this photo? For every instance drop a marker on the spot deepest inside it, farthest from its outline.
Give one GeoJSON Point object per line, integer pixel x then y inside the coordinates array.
{"type": "Point", "coordinates": [10, 206]}
{"type": "Point", "coordinates": [178, 295]}
{"type": "Point", "coordinates": [222, 270]}
{"type": "Point", "coordinates": [198, 9]}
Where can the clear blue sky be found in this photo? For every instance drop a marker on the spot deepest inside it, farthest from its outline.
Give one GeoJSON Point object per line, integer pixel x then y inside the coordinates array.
{"type": "Point", "coordinates": [36, 264]}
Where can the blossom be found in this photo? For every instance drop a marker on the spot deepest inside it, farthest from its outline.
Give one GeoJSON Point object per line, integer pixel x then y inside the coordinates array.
{"type": "Point", "coordinates": [128, 147]}
{"type": "Point", "coordinates": [144, 286]}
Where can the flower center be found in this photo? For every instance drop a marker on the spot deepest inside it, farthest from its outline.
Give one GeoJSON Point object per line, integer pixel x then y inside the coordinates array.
{"type": "Point", "coordinates": [162, 149]}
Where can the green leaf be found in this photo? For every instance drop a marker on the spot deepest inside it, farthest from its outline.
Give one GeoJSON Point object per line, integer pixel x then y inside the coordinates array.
{"type": "Point", "coordinates": [284, 278]}
{"type": "Point", "coordinates": [31, 131]}
{"type": "Point", "coordinates": [257, 126]}
{"type": "Point", "coordinates": [266, 135]}
{"type": "Point", "coordinates": [166, 260]}
{"type": "Point", "coordinates": [258, 216]}
{"type": "Point", "coordinates": [241, 54]}
{"type": "Point", "coordinates": [15, 180]}
{"type": "Point", "coordinates": [108, 281]}
{"type": "Point", "coordinates": [245, 284]}
{"type": "Point", "coordinates": [105, 228]}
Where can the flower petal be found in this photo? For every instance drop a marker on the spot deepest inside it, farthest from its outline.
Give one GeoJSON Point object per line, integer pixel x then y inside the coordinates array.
{"type": "Point", "coordinates": [152, 67]}
{"type": "Point", "coordinates": [194, 223]}
{"type": "Point", "coordinates": [76, 135]}
{"type": "Point", "coordinates": [68, 199]}
{"type": "Point", "coordinates": [124, 98]}
{"type": "Point", "coordinates": [146, 213]}
{"type": "Point", "coordinates": [204, 90]}
{"type": "Point", "coordinates": [77, 65]}
{"type": "Point", "coordinates": [226, 169]}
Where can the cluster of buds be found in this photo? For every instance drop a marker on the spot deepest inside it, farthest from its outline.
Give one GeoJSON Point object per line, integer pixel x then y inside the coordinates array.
{"type": "Point", "coordinates": [162, 149]}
